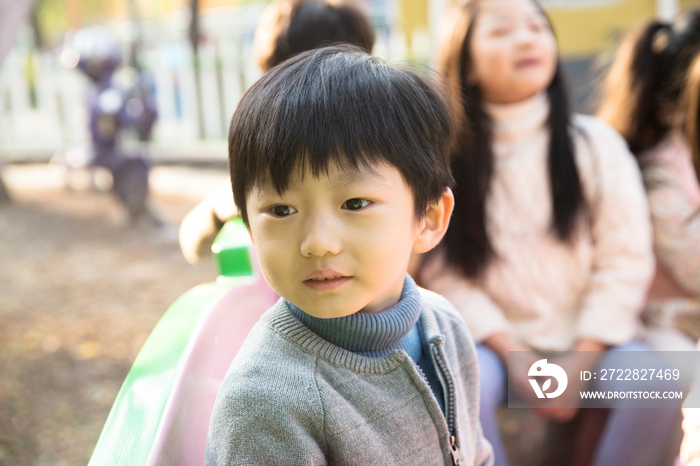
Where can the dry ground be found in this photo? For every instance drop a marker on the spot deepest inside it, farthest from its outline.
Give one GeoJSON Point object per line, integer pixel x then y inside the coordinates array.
{"type": "Point", "coordinates": [79, 294]}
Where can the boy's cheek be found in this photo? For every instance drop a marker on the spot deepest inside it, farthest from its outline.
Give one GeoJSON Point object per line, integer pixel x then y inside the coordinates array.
{"type": "Point", "coordinates": [270, 262]}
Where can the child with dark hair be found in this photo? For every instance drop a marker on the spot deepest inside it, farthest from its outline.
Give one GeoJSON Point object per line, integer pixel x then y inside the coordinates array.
{"type": "Point", "coordinates": [549, 248]}
{"type": "Point", "coordinates": [339, 165]}
{"type": "Point", "coordinates": [289, 27]}
{"type": "Point", "coordinates": [645, 100]}
{"type": "Point", "coordinates": [286, 28]}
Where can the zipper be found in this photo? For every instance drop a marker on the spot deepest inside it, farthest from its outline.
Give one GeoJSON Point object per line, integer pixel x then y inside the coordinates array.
{"type": "Point", "coordinates": [449, 389]}
{"type": "Point", "coordinates": [425, 378]}
{"type": "Point", "coordinates": [456, 455]}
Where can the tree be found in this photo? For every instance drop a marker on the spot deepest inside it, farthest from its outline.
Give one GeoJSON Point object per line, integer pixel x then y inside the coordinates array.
{"type": "Point", "coordinates": [194, 35]}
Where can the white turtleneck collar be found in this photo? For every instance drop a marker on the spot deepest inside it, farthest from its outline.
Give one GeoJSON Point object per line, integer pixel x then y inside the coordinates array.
{"type": "Point", "coordinates": [513, 122]}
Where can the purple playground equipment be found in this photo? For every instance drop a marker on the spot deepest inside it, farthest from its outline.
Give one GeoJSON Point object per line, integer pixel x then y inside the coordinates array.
{"type": "Point", "coordinates": [113, 112]}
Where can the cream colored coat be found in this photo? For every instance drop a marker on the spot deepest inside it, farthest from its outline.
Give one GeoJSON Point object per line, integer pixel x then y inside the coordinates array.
{"type": "Point", "coordinates": [544, 292]}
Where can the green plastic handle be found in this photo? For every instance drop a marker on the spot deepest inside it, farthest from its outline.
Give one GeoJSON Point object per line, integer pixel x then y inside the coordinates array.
{"type": "Point", "coordinates": [231, 250]}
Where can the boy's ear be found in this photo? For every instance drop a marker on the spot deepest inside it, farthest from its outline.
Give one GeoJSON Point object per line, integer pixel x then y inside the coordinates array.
{"type": "Point", "coordinates": [435, 223]}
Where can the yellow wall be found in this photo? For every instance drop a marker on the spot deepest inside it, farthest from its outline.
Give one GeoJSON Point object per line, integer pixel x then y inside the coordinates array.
{"type": "Point", "coordinates": [683, 4]}
{"type": "Point", "coordinates": [587, 31]}
{"type": "Point", "coordinates": [414, 15]}
{"type": "Point", "coordinates": [581, 30]}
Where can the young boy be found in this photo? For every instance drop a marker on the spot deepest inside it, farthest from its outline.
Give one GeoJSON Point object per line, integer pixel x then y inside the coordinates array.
{"type": "Point", "coordinates": [339, 167]}
{"type": "Point", "coordinates": [286, 28]}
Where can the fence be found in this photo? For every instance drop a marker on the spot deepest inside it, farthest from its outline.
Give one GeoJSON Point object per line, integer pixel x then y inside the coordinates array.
{"type": "Point", "coordinates": [42, 103]}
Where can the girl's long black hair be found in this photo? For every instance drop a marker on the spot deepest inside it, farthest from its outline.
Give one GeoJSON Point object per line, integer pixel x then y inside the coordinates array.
{"type": "Point", "coordinates": [467, 243]}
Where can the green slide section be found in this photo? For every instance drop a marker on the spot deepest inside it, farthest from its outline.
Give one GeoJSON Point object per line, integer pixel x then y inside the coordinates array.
{"type": "Point", "coordinates": [128, 434]}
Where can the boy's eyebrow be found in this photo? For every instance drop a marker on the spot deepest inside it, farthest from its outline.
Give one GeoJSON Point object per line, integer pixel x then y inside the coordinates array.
{"type": "Point", "coordinates": [350, 178]}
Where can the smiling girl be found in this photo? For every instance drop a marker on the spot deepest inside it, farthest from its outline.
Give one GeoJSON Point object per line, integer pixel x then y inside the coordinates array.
{"type": "Point", "coordinates": [549, 247]}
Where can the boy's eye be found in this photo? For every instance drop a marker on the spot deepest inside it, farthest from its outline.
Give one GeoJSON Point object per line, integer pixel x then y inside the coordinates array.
{"type": "Point", "coordinates": [355, 204]}
{"type": "Point", "coordinates": [282, 210]}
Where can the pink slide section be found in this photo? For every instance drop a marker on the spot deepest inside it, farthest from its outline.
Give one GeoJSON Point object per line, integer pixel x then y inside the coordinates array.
{"type": "Point", "coordinates": [182, 434]}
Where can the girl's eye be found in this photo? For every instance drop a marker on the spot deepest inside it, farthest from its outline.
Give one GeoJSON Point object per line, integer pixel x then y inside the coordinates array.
{"type": "Point", "coordinates": [355, 204]}
{"type": "Point", "coordinates": [540, 22]}
{"type": "Point", "coordinates": [282, 210]}
{"type": "Point", "coordinates": [539, 26]}
{"type": "Point", "coordinates": [500, 31]}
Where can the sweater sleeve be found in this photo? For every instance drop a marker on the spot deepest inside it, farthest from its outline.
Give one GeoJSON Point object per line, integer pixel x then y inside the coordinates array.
{"type": "Point", "coordinates": [623, 260]}
{"type": "Point", "coordinates": [484, 451]}
{"type": "Point", "coordinates": [268, 411]}
{"type": "Point", "coordinates": [676, 221]}
{"type": "Point", "coordinates": [481, 314]}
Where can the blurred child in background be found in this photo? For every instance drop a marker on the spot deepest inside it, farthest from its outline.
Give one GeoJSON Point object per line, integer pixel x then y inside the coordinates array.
{"type": "Point", "coordinates": [643, 99]}
{"type": "Point", "coordinates": [286, 28]}
{"type": "Point", "coordinates": [690, 449]}
{"type": "Point", "coordinates": [651, 97]}
{"type": "Point", "coordinates": [549, 247]}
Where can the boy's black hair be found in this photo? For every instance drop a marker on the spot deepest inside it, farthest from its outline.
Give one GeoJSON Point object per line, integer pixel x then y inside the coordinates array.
{"type": "Point", "coordinates": [289, 27]}
{"type": "Point", "coordinates": [339, 106]}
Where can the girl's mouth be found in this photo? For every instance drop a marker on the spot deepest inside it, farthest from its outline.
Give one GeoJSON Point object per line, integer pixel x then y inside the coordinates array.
{"type": "Point", "coordinates": [527, 63]}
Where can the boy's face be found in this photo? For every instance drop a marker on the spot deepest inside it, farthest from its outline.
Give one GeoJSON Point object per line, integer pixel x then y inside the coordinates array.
{"type": "Point", "coordinates": [337, 244]}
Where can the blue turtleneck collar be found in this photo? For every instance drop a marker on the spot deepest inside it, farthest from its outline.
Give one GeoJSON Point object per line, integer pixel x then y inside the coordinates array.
{"type": "Point", "coordinates": [373, 335]}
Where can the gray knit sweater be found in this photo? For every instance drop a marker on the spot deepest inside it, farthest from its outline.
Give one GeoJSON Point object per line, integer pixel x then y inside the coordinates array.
{"type": "Point", "coordinates": [290, 397]}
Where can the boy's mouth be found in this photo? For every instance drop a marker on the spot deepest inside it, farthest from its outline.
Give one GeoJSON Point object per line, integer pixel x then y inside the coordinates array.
{"type": "Point", "coordinates": [326, 279]}
{"type": "Point", "coordinates": [326, 284]}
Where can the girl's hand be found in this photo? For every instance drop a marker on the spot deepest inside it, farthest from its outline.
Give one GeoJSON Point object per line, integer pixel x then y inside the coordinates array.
{"type": "Point", "coordinates": [585, 357]}
{"type": "Point", "coordinates": [557, 414]}
{"type": "Point", "coordinates": [501, 344]}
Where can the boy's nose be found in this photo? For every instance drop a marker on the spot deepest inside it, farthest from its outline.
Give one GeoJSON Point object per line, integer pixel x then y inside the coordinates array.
{"type": "Point", "coordinates": [320, 238]}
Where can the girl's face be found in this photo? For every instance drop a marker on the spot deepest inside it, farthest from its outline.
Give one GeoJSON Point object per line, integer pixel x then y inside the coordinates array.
{"type": "Point", "coordinates": [513, 51]}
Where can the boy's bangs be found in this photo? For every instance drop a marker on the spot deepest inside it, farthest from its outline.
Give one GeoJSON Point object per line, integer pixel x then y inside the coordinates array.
{"type": "Point", "coordinates": [317, 165]}
{"type": "Point", "coordinates": [315, 158]}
